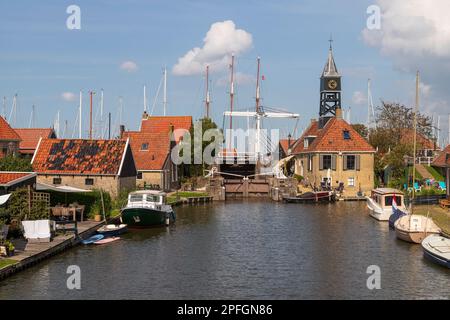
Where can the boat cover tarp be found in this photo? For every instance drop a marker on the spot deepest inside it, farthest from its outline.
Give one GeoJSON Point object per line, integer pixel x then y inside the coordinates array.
{"type": "Point", "coordinates": [4, 198]}
{"type": "Point", "coordinates": [67, 189]}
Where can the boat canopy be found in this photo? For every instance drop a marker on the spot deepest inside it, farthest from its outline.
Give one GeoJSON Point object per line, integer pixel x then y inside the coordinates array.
{"type": "Point", "coordinates": [385, 191]}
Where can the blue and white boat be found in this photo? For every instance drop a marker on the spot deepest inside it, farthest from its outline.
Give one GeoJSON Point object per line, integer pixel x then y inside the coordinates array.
{"type": "Point", "coordinates": [397, 213]}
{"type": "Point", "coordinates": [92, 239]}
{"type": "Point", "coordinates": [437, 249]}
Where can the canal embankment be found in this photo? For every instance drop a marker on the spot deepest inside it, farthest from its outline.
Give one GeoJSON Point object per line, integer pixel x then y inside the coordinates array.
{"type": "Point", "coordinates": [29, 254]}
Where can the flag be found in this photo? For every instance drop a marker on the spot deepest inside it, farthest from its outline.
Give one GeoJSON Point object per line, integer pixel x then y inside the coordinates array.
{"type": "Point", "coordinates": [263, 78]}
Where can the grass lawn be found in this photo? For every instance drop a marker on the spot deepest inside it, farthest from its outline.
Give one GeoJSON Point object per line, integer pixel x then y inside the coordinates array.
{"type": "Point", "coordinates": [172, 198]}
{"type": "Point", "coordinates": [6, 262]}
{"type": "Point", "coordinates": [440, 216]}
{"type": "Point", "coordinates": [436, 175]}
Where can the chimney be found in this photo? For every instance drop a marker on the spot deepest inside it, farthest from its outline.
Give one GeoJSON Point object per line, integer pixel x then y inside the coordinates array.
{"type": "Point", "coordinates": [338, 113]}
{"type": "Point", "coordinates": [121, 131]}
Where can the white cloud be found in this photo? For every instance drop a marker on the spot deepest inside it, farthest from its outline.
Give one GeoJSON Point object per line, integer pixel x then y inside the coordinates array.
{"type": "Point", "coordinates": [68, 96]}
{"type": "Point", "coordinates": [415, 35]}
{"type": "Point", "coordinates": [220, 42]}
{"type": "Point", "coordinates": [129, 66]}
{"type": "Point", "coordinates": [359, 98]}
{"type": "Point", "coordinates": [414, 27]}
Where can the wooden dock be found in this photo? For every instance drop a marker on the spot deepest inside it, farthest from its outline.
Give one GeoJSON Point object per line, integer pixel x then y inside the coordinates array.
{"type": "Point", "coordinates": [28, 254]}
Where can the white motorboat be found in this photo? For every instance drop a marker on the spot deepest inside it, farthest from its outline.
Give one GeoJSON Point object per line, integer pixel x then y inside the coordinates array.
{"type": "Point", "coordinates": [380, 202]}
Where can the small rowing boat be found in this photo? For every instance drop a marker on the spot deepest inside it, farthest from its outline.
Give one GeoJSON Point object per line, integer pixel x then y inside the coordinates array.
{"type": "Point", "coordinates": [107, 240]}
{"type": "Point", "coordinates": [92, 239]}
{"type": "Point", "coordinates": [112, 230]}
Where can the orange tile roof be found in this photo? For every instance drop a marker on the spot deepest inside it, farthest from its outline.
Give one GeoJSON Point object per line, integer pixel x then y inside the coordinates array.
{"type": "Point", "coordinates": [284, 144]}
{"type": "Point", "coordinates": [30, 138]}
{"type": "Point", "coordinates": [442, 160]}
{"type": "Point", "coordinates": [158, 147]}
{"type": "Point", "coordinates": [154, 124]}
{"type": "Point", "coordinates": [407, 136]}
{"type": "Point", "coordinates": [79, 156]}
{"type": "Point", "coordinates": [331, 138]}
{"type": "Point", "coordinates": [7, 178]}
{"type": "Point", "coordinates": [6, 132]}
{"type": "Point", "coordinates": [155, 132]}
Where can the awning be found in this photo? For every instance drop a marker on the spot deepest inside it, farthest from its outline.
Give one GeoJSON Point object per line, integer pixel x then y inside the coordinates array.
{"type": "Point", "coordinates": [66, 189]}
{"type": "Point", "coordinates": [4, 199]}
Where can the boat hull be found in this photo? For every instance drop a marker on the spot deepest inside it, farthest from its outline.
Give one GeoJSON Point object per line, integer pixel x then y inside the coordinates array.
{"type": "Point", "coordinates": [377, 212]}
{"type": "Point", "coordinates": [311, 197]}
{"type": "Point", "coordinates": [415, 228]}
{"type": "Point", "coordinates": [113, 232]}
{"type": "Point", "coordinates": [412, 237]}
{"type": "Point", "coordinates": [146, 217]}
{"type": "Point", "coordinates": [435, 252]}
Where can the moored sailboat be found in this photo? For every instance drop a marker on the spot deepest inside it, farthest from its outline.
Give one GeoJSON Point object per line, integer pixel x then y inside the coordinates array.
{"type": "Point", "coordinates": [412, 227]}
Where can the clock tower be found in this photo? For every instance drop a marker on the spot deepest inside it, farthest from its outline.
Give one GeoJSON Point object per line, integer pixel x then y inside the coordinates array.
{"type": "Point", "coordinates": [330, 90]}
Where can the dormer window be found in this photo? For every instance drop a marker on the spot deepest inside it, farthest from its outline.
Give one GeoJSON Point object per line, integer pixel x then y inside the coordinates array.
{"type": "Point", "coordinates": [346, 135]}
{"type": "Point", "coordinates": [306, 143]}
{"type": "Point", "coordinates": [144, 146]}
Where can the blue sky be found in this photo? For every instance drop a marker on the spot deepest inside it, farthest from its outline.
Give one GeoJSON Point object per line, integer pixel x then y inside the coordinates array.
{"type": "Point", "coordinates": [41, 59]}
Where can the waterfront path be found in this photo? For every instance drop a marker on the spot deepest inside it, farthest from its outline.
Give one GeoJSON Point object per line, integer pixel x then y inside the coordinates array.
{"type": "Point", "coordinates": [28, 254]}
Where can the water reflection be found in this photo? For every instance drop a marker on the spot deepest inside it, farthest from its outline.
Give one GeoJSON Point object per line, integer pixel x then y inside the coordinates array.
{"type": "Point", "coordinates": [244, 249]}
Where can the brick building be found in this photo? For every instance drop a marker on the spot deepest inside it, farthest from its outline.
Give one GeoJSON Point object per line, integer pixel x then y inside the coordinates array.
{"type": "Point", "coordinates": [9, 139]}
{"type": "Point", "coordinates": [30, 138]}
{"type": "Point", "coordinates": [151, 147]}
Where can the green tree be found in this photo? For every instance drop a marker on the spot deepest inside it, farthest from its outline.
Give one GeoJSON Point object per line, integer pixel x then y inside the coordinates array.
{"type": "Point", "coordinates": [361, 129]}
{"type": "Point", "coordinates": [195, 170]}
{"type": "Point", "coordinates": [12, 163]}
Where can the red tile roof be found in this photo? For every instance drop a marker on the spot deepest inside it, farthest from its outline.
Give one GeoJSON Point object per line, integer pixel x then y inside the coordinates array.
{"type": "Point", "coordinates": [156, 152]}
{"type": "Point", "coordinates": [442, 160]}
{"type": "Point", "coordinates": [30, 138]}
{"type": "Point", "coordinates": [407, 136]}
{"type": "Point", "coordinates": [8, 178]}
{"type": "Point", "coordinates": [155, 132]}
{"type": "Point", "coordinates": [6, 132]}
{"type": "Point", "coordinates": [79, 156]}
{"type": "Point", "coordinates": [331, 138]}
{"type": "Point", "coordinates": [284, 144]}
{"type": "Point", "coordinates": [155, 124]}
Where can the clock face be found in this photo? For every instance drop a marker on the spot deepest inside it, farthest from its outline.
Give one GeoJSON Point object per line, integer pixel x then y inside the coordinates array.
{"type": "Point", "coordinates": [332, 84]}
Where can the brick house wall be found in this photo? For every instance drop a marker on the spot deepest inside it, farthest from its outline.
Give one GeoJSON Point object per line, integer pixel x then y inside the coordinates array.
{"type": "Point", "coordinates": [111, 184]}
{"type": "Point", "coordinates": [8, 148]}
{"type": "Point", "coordinates": [353, 180]}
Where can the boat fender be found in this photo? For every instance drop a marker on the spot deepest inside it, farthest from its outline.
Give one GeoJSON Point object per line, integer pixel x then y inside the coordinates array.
{"type": "Point", "coordinates": [167, 220]}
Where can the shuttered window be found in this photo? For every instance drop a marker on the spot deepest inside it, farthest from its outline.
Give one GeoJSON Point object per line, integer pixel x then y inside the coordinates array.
{"type": "Point", "coordinates": [351, 162]}
{"type": "Point", "coordinates": [327, 161]}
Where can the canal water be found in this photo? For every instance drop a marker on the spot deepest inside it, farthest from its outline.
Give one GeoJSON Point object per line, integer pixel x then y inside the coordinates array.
{"type": "Point", "coordinates": [244, 250]}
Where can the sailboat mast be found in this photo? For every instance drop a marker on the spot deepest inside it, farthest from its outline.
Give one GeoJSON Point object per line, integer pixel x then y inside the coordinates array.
{"type": "Point", "coordinates": [257, 96]}
{"type": "Point", "coordinates": [145, 98]}
{"type": "Point", "coordinates": [415, 132]}
{"type": "Point", "coordinates": [79, 115]}
{"type": "Point", "coordinates": [258, 116]}
{"type": "Point", "coordinates": [90, 115]}
{"type": "Point", "coordinates": [231, 97]}
{"type": "Point", "coordinates": [32, 123]}
{"type": "Point", "coordinates": [100, 135]}
{"type": "Point", "coordinates": [165, 91]}
{"type": "Point", "coordinates": [207, 101]}
{"type": "Point", "coordinates": [4, 107]}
